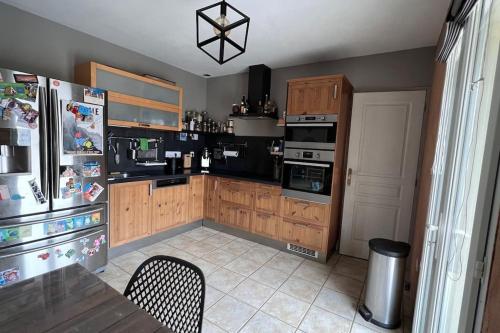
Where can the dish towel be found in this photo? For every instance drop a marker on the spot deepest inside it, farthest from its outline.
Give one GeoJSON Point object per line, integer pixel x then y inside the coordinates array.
{"type": "Point", "coordinates": [143, 144]}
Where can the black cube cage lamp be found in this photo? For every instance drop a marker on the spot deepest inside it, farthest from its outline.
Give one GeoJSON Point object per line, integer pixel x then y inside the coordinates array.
{"type": "Point", "coordinates": [221, 27]}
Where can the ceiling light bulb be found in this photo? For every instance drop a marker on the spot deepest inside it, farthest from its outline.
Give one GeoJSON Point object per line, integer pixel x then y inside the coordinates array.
{"type": "Point", "coordinates": [223, 21]}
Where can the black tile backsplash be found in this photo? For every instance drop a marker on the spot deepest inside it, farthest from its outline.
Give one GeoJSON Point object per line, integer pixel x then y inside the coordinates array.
{"type": "Point", "coordinates": [254, 159]}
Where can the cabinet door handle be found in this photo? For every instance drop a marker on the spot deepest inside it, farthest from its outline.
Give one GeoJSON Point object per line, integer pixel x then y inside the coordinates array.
{"type": "Point", "coordinates": [349, 176]}
{"type": "Point", "coordinates": [335, 88]}
{"type": "Point", "coordinates": [150, 189]}
{"type": "Point", "coordinates": [144, 125]}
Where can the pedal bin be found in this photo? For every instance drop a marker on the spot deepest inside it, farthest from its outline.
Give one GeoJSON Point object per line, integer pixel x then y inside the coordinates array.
{"type": "Point", "coordinates": [384, 286]}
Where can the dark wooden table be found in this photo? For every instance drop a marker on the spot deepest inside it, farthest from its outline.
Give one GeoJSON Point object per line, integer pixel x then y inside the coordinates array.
{"type": "Point", "coordinates": [70, 299]}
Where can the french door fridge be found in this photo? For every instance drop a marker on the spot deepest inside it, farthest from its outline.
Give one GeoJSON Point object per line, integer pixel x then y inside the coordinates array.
{"type": "Point", "coordinates": [53, 193]}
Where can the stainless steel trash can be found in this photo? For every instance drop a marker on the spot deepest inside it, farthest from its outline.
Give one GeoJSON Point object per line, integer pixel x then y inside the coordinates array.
{"type": "Point", "coordinates": [384, 286]}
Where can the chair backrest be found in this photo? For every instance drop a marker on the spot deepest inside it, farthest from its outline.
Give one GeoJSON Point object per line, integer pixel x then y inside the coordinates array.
{"type": "Point", "coordinates": [170, 289]}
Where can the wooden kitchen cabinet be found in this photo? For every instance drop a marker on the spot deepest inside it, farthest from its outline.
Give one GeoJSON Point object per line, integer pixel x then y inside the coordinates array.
{"type": "Point", "coordinates": [135, 100]}
{"type": "Point", "coordinates": [317, 95]}
{"type": "Point", "coordinates": [306, 211]}
{"type": "Point", "coordinates": [267, 199]}
{"type": "Point", "coordinates": [211, 205]}
{"type": "Point", "coordinates": [196, 198]}
{"type": "Point", "coordinates": [235, 216]}
{"type": "Point", "coordinates": [307, 235]}
{"type": "Point", "coordinates": [265, 224]}
{"type": "Point", "coordinates": [237, 192]}
{"type": "Point", "coordinates": [130, 208]}
{"type": "Point", "coordinates": [170, 207]}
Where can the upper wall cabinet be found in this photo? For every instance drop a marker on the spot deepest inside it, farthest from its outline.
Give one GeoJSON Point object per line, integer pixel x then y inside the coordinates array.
{"type": "Point", "coordinates": [134, 100]}
{"type": "Point", "coordinates": [317, 95]}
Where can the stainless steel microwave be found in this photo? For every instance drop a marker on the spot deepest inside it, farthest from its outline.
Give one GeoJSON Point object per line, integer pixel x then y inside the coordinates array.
{"type": "Point", "coordinates": [311, 132]}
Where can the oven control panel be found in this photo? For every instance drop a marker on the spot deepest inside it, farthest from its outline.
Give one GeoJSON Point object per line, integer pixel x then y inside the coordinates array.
{"type": "Point", "coordinates": [310, 154]}
{"type": "Point", "coordinates": [330, 118]}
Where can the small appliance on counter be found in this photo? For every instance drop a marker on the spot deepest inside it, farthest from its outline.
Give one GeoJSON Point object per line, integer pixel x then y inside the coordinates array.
{"type": "Point", "coordinates": [187, 161]}
{"type": "Point", "coordinates": [174, 162]}
{"type": "Point", "coordinates": [205, 160]}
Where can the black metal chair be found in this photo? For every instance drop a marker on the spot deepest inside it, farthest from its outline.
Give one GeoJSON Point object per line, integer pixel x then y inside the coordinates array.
{"type": "Point", "coordinates": [170, 289]}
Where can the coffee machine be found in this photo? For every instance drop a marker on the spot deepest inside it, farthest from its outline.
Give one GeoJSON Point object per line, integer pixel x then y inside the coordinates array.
{"type": "Point", "coordinates": [205, 160]}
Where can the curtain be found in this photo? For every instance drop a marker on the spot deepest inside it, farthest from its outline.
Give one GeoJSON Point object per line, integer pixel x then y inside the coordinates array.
{"type": "Point", "coordinates": [457, 16]}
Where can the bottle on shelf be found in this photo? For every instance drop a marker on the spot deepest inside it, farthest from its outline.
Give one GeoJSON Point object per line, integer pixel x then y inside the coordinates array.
{"type": "Point", "coordinates": [243, 106]}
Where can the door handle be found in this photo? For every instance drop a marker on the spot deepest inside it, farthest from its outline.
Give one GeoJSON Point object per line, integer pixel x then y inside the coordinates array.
{"type": "Point", "coordinates": [44, 141]}
{"type": "Point", "coordinates": [349, 176]}
{"type": "Point", "coordinates": [56, 132]}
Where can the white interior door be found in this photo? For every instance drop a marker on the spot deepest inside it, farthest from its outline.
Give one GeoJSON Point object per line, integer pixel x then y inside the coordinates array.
{"type": "Point", "coordinates": [381, 168]}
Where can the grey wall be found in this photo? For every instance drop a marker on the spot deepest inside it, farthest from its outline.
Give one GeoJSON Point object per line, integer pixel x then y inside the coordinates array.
{"type": "Point", "coordinates": [33, 44]}
{"type": "Point", "coordinates": [381, 72]}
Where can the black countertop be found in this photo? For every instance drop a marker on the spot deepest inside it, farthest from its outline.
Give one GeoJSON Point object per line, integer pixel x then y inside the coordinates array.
{"type": "Point", "coordinates": [138, 176]}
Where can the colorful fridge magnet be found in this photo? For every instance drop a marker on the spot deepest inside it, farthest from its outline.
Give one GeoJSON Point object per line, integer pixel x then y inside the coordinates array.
{"type": "Point", "coordinates": [93, 96]}
{"type": "Point", "coordinates": [71, 187]}
{"type": "Point", "coordinates": [4, 192]}
{"type": "Point", "coordinates": [83, 128]}
{"type": "Point", "coordinates": [26, 115]}
{"type": "Point", "coordinates": [70, 253]}
{"type": "Point", "coordinates": [39, 197]}
{"type": "Point", "coordinates": [91, 169]}
{"type": "Point", "coordinates": [44, 256]}
{"type": "Point", "coordinates": [25, 91]}
{"type": "Point", "coordinates": [91, 191]}
{"type": "Point", "coordinates": [26, 78]}
{"type": "Point", "coordinates": [9, 276]}
{"type": "Point", "coordinates": [69, 172]}
{"type": "Point", "coordinates": [96, 218]}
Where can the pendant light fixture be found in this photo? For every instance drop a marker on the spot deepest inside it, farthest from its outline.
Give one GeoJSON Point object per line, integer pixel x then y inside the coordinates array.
{"type": "Point", "coordinates": [221, 31]}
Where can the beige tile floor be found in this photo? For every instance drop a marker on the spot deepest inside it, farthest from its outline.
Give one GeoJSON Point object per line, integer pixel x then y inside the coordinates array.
{"type": "Point", "coordinates": [255, 288]}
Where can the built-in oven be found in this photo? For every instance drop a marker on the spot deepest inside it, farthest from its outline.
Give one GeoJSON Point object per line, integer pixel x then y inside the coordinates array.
{"type": "Point", "coordinates": [308, 174]}
{"type": "Point", "coordinates": [311, 131]}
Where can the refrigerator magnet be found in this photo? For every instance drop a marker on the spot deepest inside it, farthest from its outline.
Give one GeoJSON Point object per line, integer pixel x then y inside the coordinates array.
{"type": "Point", "coordinates": [83, 128]}
{"type": "Point", "coordinates": [26, 115]}
{"type": "Point", "coordinates": [4, 192]}
{"type": "Point", "coordinates": [9, 276]}
{"type": "Point", "coordinates": [69, 172]}
{"type": "Point", "coordinates": [71, 187]}
{"type": "Point", "coordinates": [70, 253]}
{"type": "Point", "coordinates": [92, 190]}
{"type": "Point", "coordinates": [93, 96]}
{"type": "Point", "coordinates": [91, 169]}
{"type": "Point", "coordinates": [26, 78]}
{"type": "Point", "coordinates": [39, 197]}
{"type": "Point", "coordinates": [25, 91]}
{"type": "Point", "coordinates": [44, 256]}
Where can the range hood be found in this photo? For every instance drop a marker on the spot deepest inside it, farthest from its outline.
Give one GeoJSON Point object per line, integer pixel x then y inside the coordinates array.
{"type": "Point", "coordinates": [259, 85]}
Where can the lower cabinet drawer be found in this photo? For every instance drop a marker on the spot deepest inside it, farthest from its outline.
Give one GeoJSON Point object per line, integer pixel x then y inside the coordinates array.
{"type": "Point", "coordinates": [266, 225]}
{"type": "Point", "coordinates": [306, 211]}
{"type": "Point", "coordinates": [267, 201]}
{"type": "Point", "coordinates": [307, 235]}
{"type": "Point", "coordinates": [235, 216]}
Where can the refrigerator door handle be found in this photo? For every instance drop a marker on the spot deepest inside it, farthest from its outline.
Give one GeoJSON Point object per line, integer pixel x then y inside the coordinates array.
{"type": "Point", "coordinates": [56, 132]}
{"type": "Point", "coordinates": [77, 236]}
{"type": "Point", "coordinates": [44, 142]}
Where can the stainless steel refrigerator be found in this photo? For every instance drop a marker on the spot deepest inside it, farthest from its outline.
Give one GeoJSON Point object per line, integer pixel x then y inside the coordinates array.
{"type": "Point", "coordinates": [53, 192]}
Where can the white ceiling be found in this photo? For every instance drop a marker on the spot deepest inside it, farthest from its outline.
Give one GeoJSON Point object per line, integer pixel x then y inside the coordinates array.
{"type": "Point", "coordinates": [282, 33]}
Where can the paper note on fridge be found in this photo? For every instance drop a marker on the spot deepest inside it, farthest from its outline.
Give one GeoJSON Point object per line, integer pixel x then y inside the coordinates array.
{"type": "Point", "coordinates": [82, 128]}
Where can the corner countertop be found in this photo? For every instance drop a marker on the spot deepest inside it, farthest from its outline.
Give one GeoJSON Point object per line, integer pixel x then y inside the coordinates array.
{"type": "Point", "coordinates": [139, 176]}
